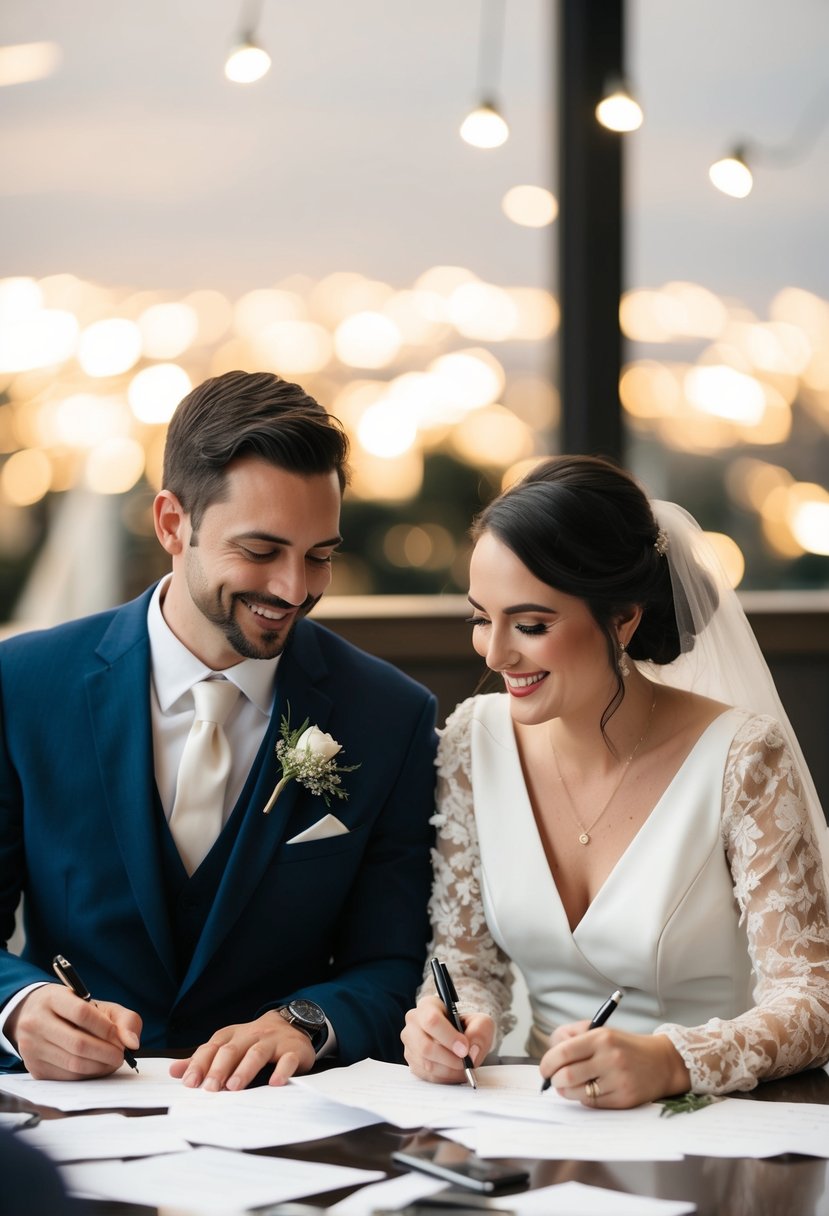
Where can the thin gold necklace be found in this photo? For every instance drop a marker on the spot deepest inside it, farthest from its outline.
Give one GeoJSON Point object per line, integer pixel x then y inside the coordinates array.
{"type": "Point", "coordinates": [584, 835]}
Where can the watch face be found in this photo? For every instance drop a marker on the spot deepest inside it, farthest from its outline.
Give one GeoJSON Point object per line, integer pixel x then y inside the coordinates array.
{"type": "Point", "coordinates": [307, 1012]}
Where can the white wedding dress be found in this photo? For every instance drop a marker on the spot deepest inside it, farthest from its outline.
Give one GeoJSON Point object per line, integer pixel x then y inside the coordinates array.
{"type": "Point", "coordinates": [713, 921]}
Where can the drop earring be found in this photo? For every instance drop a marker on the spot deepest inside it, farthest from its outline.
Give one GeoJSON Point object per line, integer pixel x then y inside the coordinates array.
{"type": "Point", "coordinates": [624, 665]}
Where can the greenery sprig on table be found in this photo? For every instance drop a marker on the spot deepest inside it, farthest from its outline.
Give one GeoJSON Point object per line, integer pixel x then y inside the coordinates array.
{"type": "Point", "coordinates": [685, 1103]}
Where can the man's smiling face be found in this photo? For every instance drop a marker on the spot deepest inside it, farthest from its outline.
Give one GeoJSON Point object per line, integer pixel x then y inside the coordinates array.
{"type": "Point", "coordinates": [259, 562]}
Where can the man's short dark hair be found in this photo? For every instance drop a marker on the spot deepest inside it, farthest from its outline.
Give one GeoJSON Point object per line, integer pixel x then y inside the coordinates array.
{"type": "Point", "coordinates": [247, 414]}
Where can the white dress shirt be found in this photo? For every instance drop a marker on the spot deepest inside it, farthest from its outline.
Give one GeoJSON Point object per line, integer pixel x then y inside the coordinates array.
{"type": "Point", "coordinates": [173, 672]}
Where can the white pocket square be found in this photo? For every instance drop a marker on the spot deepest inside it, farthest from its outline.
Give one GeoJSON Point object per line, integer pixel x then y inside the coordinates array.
{"type": "Point", "coordinates": [329, 825]}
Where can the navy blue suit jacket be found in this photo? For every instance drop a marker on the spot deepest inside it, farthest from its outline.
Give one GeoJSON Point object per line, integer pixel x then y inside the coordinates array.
{"type": "Point", "coordinates": [341, 920]}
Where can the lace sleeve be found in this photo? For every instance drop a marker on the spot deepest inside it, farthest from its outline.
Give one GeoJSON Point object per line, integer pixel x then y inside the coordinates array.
{"type": "Point", "coordinates": [779, 886]}
{"type": "Point", "coordinates": [481, 972]}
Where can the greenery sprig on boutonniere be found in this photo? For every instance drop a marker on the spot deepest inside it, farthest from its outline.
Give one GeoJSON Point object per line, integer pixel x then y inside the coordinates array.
{"type": "Point", "coordinates": [307, 754]}
{"type": "Point", "coordinates": [685, 1103]}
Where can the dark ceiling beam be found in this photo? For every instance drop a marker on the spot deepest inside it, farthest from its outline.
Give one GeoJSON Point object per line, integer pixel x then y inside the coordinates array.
{"type": "Point", "coordinates": [590, 234]}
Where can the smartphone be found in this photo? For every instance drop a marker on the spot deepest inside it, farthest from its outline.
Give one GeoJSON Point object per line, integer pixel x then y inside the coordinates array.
{"type": "Point", "coordinates": [459, 1165]}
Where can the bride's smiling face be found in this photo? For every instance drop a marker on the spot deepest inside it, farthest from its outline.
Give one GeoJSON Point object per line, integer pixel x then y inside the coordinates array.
{"type": "Point", "coordinates": [547, 645]}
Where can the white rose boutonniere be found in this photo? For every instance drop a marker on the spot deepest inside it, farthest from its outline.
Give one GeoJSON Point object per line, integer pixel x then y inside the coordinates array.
{"type": "Point", "coordinates": [307, 754]}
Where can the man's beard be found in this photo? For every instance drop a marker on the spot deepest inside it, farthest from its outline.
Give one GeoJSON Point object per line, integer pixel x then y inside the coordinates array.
{"type": "Point", "coordinates": [271, 642]}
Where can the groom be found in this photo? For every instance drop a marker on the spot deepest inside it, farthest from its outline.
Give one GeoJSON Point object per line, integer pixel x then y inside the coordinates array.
{"type": "Point", "coordinates": [197, 921]}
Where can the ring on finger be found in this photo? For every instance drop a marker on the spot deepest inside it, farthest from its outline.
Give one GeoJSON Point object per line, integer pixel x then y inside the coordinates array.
{"type": "Point", "coordinates": [591, 1090]}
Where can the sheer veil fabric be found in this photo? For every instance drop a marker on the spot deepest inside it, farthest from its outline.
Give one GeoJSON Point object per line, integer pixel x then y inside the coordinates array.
{"type": "Point", "coordinates": [720, 655]}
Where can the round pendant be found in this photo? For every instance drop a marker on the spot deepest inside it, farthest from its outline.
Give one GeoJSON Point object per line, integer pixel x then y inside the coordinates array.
{"type": "Point", "coordinates": [584, 838]}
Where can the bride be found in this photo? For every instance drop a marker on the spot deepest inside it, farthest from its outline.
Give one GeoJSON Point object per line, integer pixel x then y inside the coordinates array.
{"type": "Point", "coordinates": [632, 812]}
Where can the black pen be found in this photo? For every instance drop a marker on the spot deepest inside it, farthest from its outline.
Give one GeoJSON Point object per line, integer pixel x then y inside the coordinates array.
{"type": "Point", "coordinates": [65, 972]}
{"type": "Point", "coordinates": [447, 993]}
{"type": "Point", "coordinates": [599, 1018]}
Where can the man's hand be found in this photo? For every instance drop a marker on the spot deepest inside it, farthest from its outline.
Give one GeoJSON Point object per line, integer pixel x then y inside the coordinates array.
{"type": "Point", "coordinates": [62, 1038]}
{"type": "Point", "coordinates": [232, 1057]}
{"type": "Point", "coordinates": [434, 1049]}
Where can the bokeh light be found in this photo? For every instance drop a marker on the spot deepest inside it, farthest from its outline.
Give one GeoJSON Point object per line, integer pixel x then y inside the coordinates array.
{"type": "Point", "coordinates": [482, 311]}
{"type": "Point", "coordinates": [82, 420]}
{"type": "Point", "coordinates": [493, 436]}
{"type": "Point", "coordinates": [386, 479]}
{"type": "Point", "coordinates": [387, 429]}
{"type": "Point", "coordinates": [42, 339]}
{"type": "Point", "coordinates": [107, 348]}
{"type": "Point", "coordinates": [469, 379]}
{"type": "Point", "coordinates": [114, 466]}
{"type": "Point", "coordinates": [530, 206]}
{"type": "Point", "coordinates": [155, 391]}
{"type": "Point", "coordinates": [167, 330]}
{"type": "Point", "coordinates": [23, 62]}
{"type": "Point", "coordinates": [89, 380]}
{"type": "Point", "coordinates": [26, 477]}
{"type": "Point", "coordinates": [428, 546]}
{"type": "Point", "coordinates": [367, 339]}
{"type": "Point", "coordinates": [730, 556]}
{"type": "Point", "coordinates": [291, 348]}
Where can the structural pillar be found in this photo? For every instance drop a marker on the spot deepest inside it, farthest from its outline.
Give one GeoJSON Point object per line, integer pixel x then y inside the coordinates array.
{"type": "Point", "coordinates": [590, 52]}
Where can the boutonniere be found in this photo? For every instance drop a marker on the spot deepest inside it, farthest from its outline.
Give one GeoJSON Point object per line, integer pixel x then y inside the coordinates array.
{"type": "Point", "coordinates": [307, 754]}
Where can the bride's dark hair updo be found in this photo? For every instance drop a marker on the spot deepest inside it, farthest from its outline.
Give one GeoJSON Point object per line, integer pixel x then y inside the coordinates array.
{"type": "Point", "coordinates": [585, 527]}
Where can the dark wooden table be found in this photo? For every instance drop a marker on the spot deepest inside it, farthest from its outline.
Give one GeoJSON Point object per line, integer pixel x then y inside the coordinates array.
{"type": "Point", "coordinates": [789, 1185]}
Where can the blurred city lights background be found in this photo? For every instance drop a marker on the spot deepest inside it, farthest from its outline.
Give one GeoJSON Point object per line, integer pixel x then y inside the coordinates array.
{"type": "Point", "coordinates": [161, 229]}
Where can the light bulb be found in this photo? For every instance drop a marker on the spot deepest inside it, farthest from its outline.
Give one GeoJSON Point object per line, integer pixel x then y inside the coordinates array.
{"type": "Point", "coordinates": [484, 127]}
{"type": "Point", "coordinates": [618, 110]}
{"type": "Point", "coordinates": [247, 62]}
{"type": "Point", "coordinates": [732, 175]}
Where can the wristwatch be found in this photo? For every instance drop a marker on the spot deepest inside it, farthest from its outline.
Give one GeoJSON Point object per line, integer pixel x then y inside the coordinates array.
{"type": "Point", "coordinates": [306, 1015]}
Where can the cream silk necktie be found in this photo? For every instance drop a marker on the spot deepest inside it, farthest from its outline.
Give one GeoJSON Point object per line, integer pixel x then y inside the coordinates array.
{"type": "Point", "coordinates": [198, 808]}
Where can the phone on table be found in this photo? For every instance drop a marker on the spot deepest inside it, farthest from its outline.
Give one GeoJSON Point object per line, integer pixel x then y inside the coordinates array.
{"type": "Point", "coordinates": [445, 1159]}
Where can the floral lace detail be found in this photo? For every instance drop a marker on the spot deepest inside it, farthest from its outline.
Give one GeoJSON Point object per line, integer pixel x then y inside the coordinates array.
{"type": "Point", "coordinates": [480, 970]}
{"type": "Point", "coordinates": [779, 886]}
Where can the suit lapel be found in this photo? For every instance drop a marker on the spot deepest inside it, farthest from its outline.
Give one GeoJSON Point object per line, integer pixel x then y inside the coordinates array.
{"type": "Point", "coordinates": [118, 700]}
{"type": "Point", "coordinates": [300, 671]}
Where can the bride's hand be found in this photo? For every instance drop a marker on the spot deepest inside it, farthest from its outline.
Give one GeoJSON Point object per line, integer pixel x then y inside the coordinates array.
{"type": "Point", "coordinates": [611, 1068]}
{"type": "Point", "coordinates": [434, 1049]}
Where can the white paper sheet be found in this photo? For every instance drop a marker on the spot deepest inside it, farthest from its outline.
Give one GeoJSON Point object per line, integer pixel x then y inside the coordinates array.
{"type": "Point", "coordinates": [507, 1090]}
{"type": "Point", "coordinates": [266, 1117]}
{"type": "Point", "coordinates": [287, 1115]}
{"type": "Point", "coordinates": [150, 1087]}
{"type": "Point", "coordinates": [91, 1137]}
{"type": "Point", "coordinates": [394, 1193]}
{"type": "Point", "coordinates": [396, 1095]}
{"type": "Point", "coordinates": [624, 1140]}
{"type": "Point", "coordinates": [737, 1127]}
{"type": "Point", "coordinates": [210, 1180]}
{"type": "Point", "coordinates": [730, 1128]}
{"type": "Point", "coordinates": [578, 1199]}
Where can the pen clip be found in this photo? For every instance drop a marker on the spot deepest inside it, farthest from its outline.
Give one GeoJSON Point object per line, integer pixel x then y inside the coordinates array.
{"type": "Point", "coordinates": [451, 987]}
{"type": "Point", "coordinates": [67, 974]}
{"type": "Point", "coordinates": [444, 985]}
